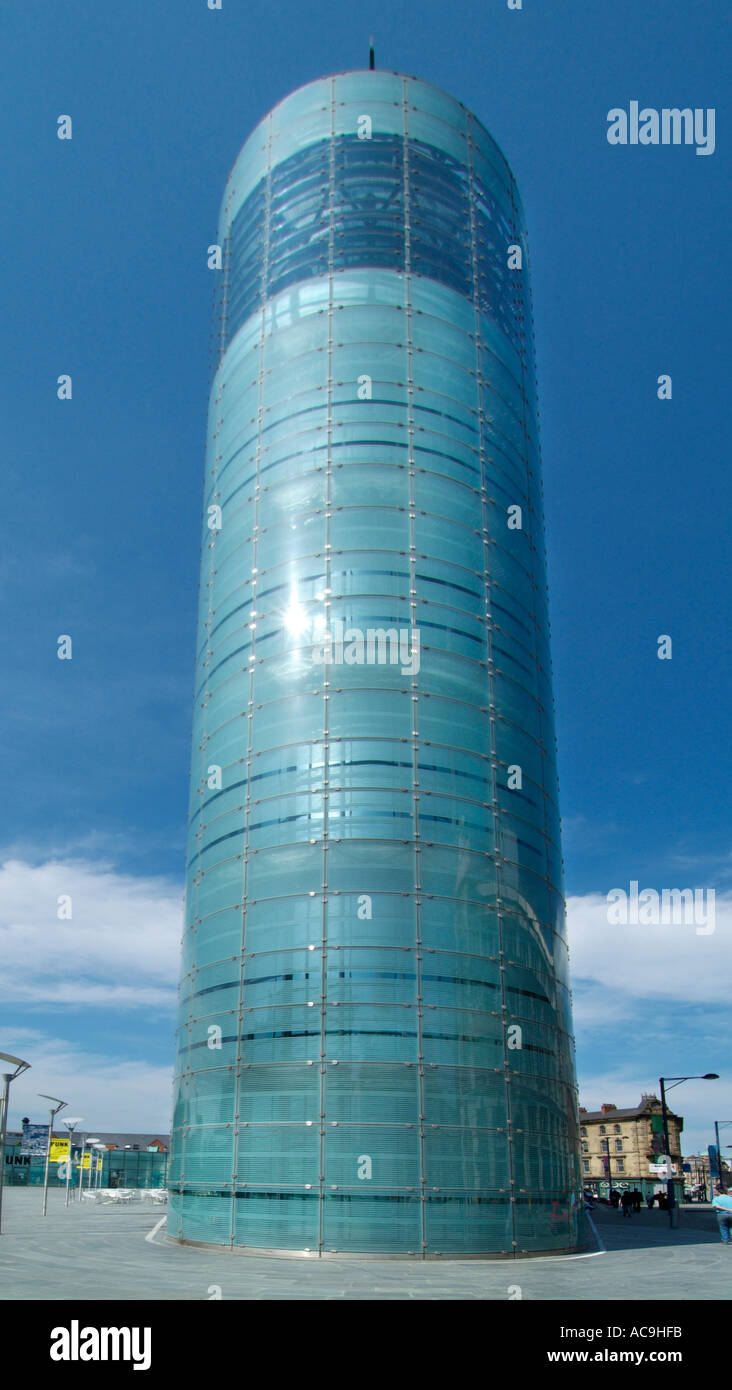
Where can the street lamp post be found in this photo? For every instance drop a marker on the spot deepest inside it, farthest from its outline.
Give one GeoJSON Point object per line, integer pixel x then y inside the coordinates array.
{"type": "Point", "coordinates": [720, 1124]}
{"type": "Point", "coordinates": [675, 1081]}
{"type": "Point", "coordinates": [101, 1149]}
{"type": "Point", "coordinates": [8, 1076]}
{"type": "Point", "coordinates": [81, 1167]}
{"type": "Point", "coordinates": [71, 1126]}
{"type": "Point", "coordinates": [60, 1105]}
{"type": "Point", "coordinates": [92, 1145]}
{"type": "Point", "coordinates": [703, 1177]}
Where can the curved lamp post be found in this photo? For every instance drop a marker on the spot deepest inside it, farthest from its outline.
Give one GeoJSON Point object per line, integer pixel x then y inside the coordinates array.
{"type": "Point", "coordinates": [59, 1105]}
{"type": "Point", "coordinates": [92, 1145]}
{"type": "Point", "coordinates": [8, 1076]}
{"type": "Point", "coordinates": [101, 1150]}
{"type": "Point", "coordinates": [663, 1082]}
{"type": "Point", "coordinates": [71, 1126]}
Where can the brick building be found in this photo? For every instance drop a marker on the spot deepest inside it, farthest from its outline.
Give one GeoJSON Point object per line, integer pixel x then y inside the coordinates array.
{"type": "Point", "coordinates": [622, 1146]}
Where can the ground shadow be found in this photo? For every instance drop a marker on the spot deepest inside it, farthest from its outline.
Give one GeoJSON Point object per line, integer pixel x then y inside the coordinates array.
{"type": "Point", "coordinates": [651, 1229]}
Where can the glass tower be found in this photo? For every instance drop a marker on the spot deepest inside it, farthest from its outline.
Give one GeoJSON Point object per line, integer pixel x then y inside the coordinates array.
{"type": "Point", "coordinates": [374, 1046]}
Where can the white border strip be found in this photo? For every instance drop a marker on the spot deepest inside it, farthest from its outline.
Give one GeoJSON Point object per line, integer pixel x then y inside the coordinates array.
{"type": "Point", "coordinates": [152, 1234]}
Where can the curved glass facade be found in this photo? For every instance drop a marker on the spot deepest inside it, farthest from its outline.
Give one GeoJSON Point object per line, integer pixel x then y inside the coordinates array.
{"type": "Point", "coordinates": [374, 1046]}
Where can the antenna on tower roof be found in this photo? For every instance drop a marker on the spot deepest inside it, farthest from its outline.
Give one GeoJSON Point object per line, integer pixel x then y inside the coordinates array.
{"type": "Point", "coordinates": [372, 56]}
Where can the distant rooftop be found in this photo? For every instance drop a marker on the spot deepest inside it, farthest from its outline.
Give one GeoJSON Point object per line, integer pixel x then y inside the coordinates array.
{"type": "Point", "coordinates": [116, 1139]}
{"type": "Point", "coordinates": [648, 1104]}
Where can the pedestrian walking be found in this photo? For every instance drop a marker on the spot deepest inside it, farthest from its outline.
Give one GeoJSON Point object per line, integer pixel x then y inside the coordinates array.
{"type": "Point", "coordinates": [637, 1199]}
{"type": "Point", "coordinates": [722, 1203]}
{"type": "Point", "coordinates": [627, 1202]}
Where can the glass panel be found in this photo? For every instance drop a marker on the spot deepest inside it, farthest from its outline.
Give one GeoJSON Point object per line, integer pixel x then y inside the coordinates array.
{"type": "Point", "coordinates": [272, 1154]}
{"type": "Point", "coordinates": [281, 1035]}
{"type": "Point", "coordinates": [283, 922]}
{"type": "Point", "coordinates": [372, 1221]}
{"type": "Point", "coordinates": [474, 1223]}
{"type": "Point", "coordinates": [375, 977]}
{"type": "Point", "coordinates": [466, 1158]}
{"type": "Point", "coordinates": [272, 873]}
{"type": "Point", "coordinates": [282, 977]}
{"type": "Point", "coordinates": [279, 1092]}
{"type": "Point", "coordinates": [368, 1033]}
{"type": "Point", "coordinates": [464, 1096]}
{"type": "Point", "coordinates": [378, 1155]}
{"type": "Point", "coordinates": [279, 1220]}
{"type": "Point", "coordinates": [364, 1092]}
{"type": "Point", "coordinates": [457, 1035]}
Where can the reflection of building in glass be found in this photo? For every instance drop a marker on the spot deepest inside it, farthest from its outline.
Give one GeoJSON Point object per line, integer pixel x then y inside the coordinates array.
{"type": "Point", "coordinates": [374, 1045]}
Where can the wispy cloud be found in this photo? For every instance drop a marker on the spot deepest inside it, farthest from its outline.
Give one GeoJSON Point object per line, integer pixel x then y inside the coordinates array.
{"type": "Point", "coordinates": [649, 1000]}
{"type": "Point", "coordinates": [106, 1091]}
{"type": "Point", "coordinates": [654, 962]}
{"type": "Point", "coordinates": [119, 948]}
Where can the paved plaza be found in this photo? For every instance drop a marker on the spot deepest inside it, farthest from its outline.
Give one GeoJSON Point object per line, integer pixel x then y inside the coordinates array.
{"type": "Point", "coordinates": [116, 1252]}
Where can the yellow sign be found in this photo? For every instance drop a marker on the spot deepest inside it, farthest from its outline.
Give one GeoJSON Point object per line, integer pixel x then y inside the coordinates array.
{"type": "Point", "coordinates": [59, 1150]}
{"type": "Point", "coordinates": [87, 1162]}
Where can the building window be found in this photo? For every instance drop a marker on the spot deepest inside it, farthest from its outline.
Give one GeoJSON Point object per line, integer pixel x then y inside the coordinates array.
{"type": "Point", "coordinates": [583, 1131]}
{"type": "Point", "coordinates": [616, 1128]}
{"type": "Point", "coordinates": [603, 1145]}
{"type": "Point", "coordinates": [620, 1165]}
{"type": "Point", "coordinates": [602, 1129]}
{"type": "Point", "coordinates": [586, 1164]}
{"type": "Point", "coordinates": [618, 1145]}
{"type": "Point", "coordinates": [585, 1148]}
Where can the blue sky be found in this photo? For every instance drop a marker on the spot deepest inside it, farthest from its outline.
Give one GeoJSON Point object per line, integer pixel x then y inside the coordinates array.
{"type": "Point", "coordinates": [104, 277]}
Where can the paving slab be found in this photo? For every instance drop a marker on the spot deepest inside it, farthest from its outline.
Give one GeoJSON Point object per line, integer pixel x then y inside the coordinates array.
{"type": "Point", "coordinates": [115, 1252]}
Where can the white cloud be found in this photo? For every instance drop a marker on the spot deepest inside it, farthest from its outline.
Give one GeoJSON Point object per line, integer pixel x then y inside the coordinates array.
{"type": "Point", "coordinates": [121, 947]}
{"type": "Point", "coordinates": [651, 962]}
{"type": "Point", "coordinates": [108, 1093]}
{"type": "Point", "coordinates": [644, 996]}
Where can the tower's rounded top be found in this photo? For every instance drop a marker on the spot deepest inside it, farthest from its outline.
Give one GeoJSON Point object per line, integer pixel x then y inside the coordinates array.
{"type": "Point", "coordinates": [395, 105]}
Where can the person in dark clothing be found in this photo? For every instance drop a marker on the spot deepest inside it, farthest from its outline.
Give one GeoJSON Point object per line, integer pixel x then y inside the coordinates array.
{"type": "Point", "coordinates": [650, 1199]}
{"type": "Point", "coordinates": [637, 1199]}
{"type": "Point", "coordinates": [614, 1198]}
{"type": "Point", "coordinates": [627, 1202]}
